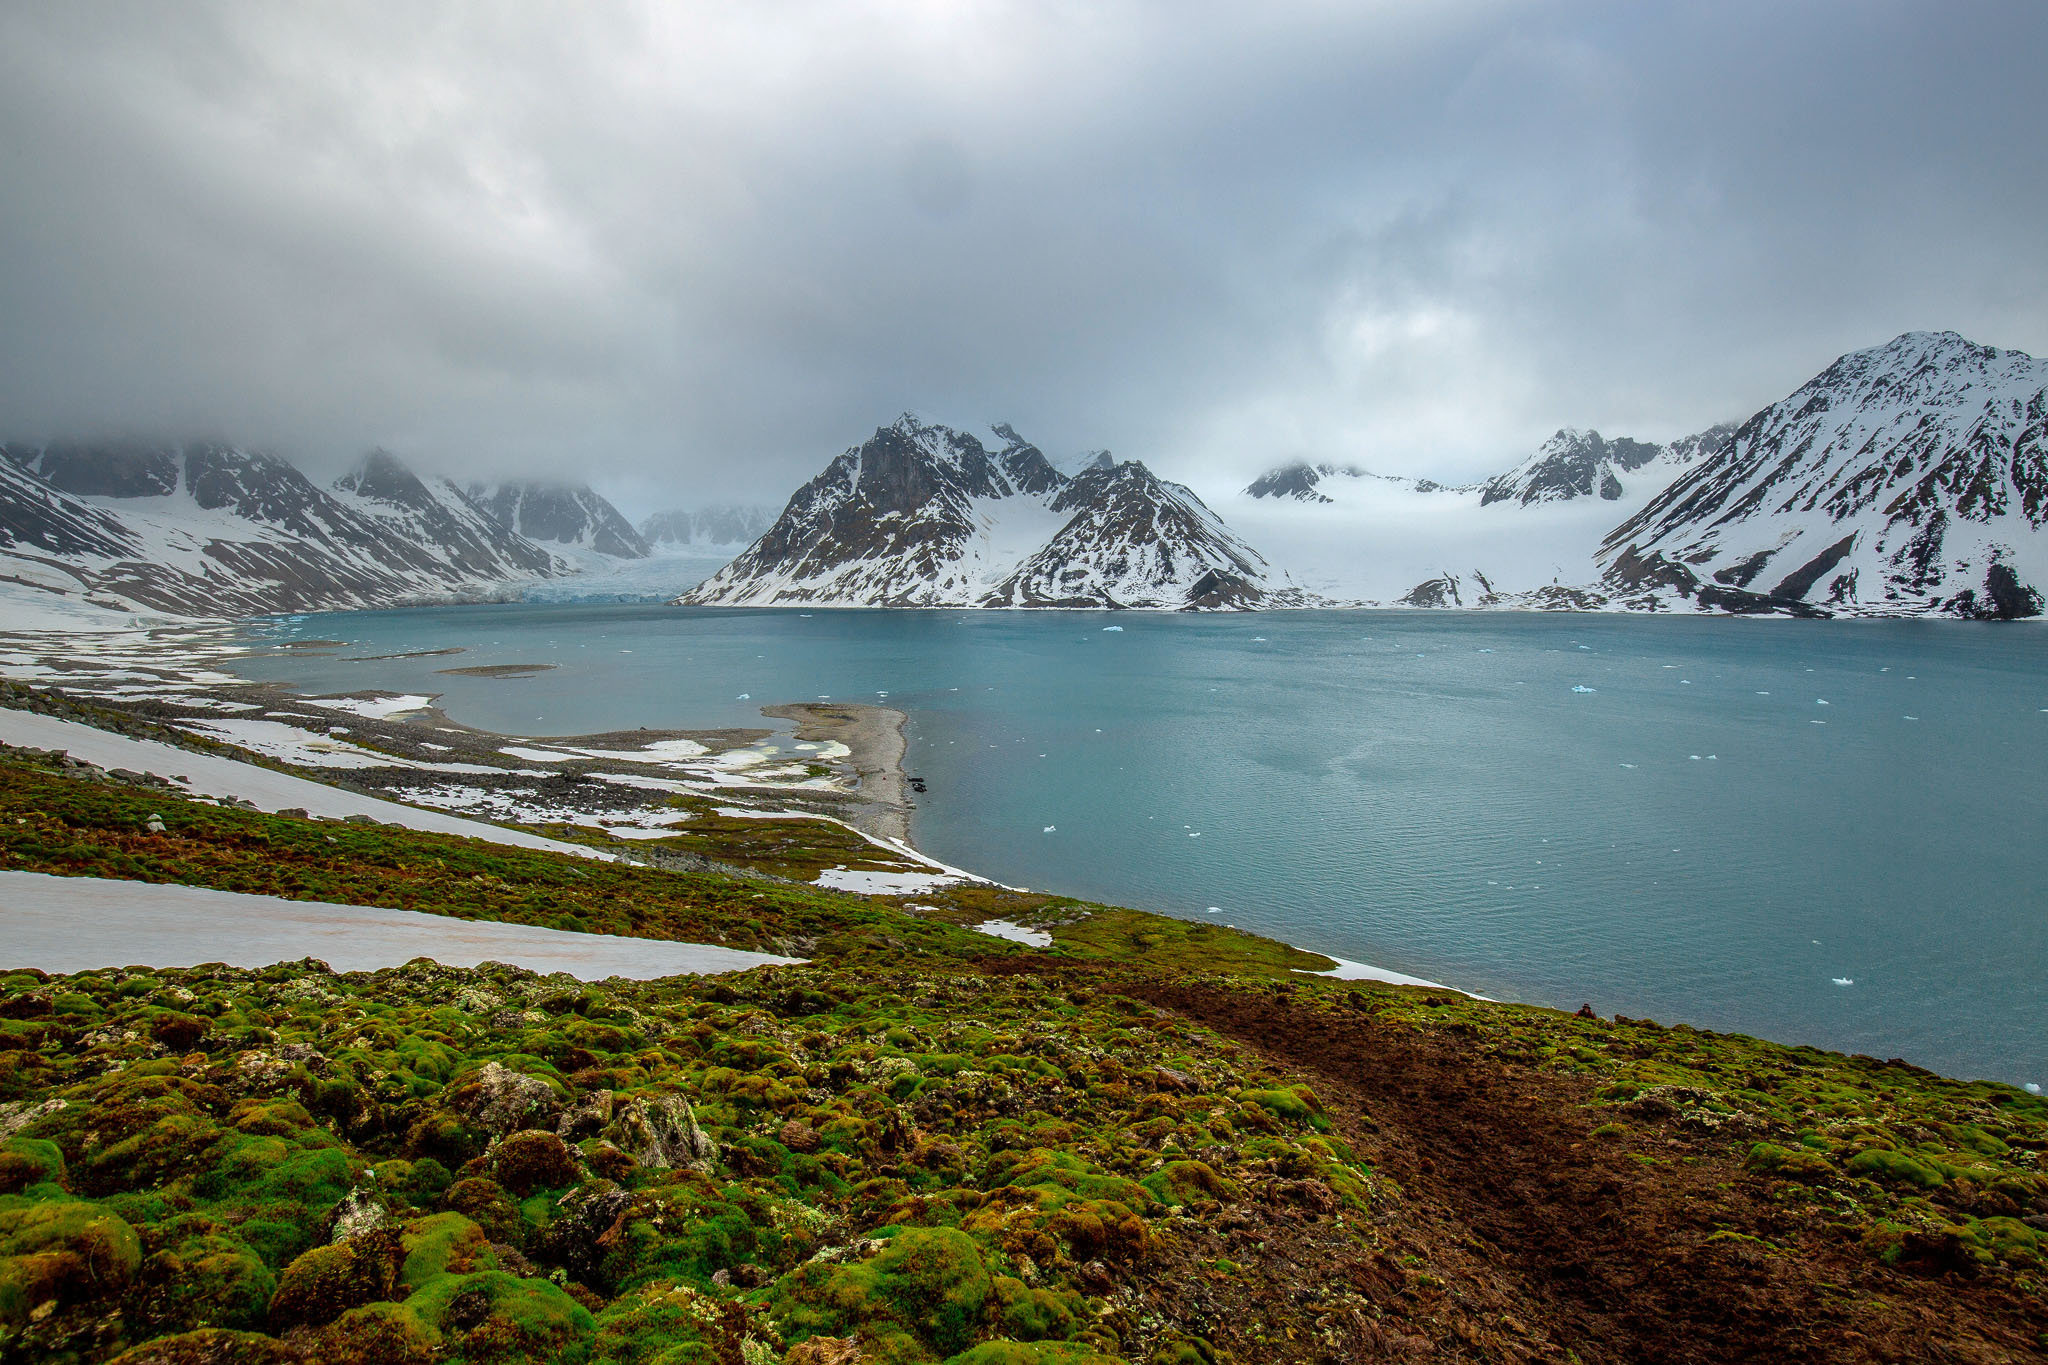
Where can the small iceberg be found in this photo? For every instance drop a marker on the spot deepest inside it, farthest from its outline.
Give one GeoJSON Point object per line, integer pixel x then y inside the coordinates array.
{"type": "Point", "coordinates": [1581, 687]}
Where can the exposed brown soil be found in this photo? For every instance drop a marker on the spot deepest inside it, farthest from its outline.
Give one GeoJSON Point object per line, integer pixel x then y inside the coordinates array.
{"type": "Point", "coordinates": [1562, 1240]}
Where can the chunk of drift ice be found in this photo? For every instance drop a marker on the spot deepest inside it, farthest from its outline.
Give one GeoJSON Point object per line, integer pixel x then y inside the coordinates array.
{"type": "Point", "coordinates": [1583, 688]}
{"type": "Point", "coordinates": [1845, 981]}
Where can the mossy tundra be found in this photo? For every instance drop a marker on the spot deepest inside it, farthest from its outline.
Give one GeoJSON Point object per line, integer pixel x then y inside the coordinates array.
{"type": "Point", "coordinates": [1150, 1143]}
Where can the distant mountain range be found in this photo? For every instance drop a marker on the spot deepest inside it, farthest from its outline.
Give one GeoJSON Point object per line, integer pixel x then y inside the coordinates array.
{"type": "Point", "coordinates": [1908, 479]}
{"type": "Point", "coordinates": [207, 529]}
{"type": "Point", "coordinates": [727, 526]}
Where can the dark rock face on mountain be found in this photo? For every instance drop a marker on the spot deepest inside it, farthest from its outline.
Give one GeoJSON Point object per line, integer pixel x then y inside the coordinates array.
{"type": "Point", "coordinates": [925, 515]}
{"type": "Point", "coordinates": [1129, 537]}
{"type": "Point", "coordinates": [39, 521]}
{"type": "Point", "coordinates": [561, 514]}
{"type": "Point", "coordinates": [716, 526]}
{"type": "Point", "coordinates": [208, 530]}
{"type": "Point", "coordinates": [1297, 480]}
{"type": "Point", "coordinates": [438, 514]}
{"type": "Point", "coordinates": [1908, 477]}
{"type": "Point", "coordinates": [111, 470]}
{"type": "Point", "coordinates": [1571, 464]}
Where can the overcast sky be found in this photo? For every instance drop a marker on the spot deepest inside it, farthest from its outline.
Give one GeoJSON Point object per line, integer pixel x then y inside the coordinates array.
{"type": "Point", "coordinates": [694, 251]}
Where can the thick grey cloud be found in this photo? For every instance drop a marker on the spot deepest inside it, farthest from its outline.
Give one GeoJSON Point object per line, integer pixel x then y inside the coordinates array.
{"type": "Point", "coordinates": [694, 250]}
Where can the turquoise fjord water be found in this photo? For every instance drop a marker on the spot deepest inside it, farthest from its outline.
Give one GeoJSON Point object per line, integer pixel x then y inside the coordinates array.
{"type": "Point", "coordinates": [1696, 819]}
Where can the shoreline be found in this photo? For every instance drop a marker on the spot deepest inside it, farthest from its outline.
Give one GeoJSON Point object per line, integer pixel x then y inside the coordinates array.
{"type": "Point", "coordinates": [875, 806]}
{"type": "Point", "coordinates": [874, 738]}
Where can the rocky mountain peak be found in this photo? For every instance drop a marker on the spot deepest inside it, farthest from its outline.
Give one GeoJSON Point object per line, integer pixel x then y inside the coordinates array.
{"type": "Point", "coordinates": [1573, 463]}
{"type": "Point", "coordinates": [383, 477]}
{"type": "Point", "coordinates": [561, 514]}
{"type": "Point", "coordinates": [926, 515]}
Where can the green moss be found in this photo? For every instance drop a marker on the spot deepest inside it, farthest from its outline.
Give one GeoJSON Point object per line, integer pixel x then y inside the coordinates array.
{"type": "Point", "coordinates": [328, 1280]}
{"type": "Point", "coordinates": [63, 1250]}
{"type": "Point", "coordinates": [436, 1245]}
{"type": "Point", "coordinates": [1896, 1168]}
{"type": "Point", "coordinates": [212, 1346]}
{"type": "Point", "coordinates": [1183, 1182]}
{"type": "Point", "coordinates": [490, 1315]}
{"type": "Point", "coordinates": [1032, 1353]}
{"type": "Point", "coordinates": [210, 1278]}
{"type": "Point", "coordinates": [930, 1282]}
{"type": "Point", "coordinates": [1794, 1163]}
{"type": "Point", "coordinates": [29, 1161]}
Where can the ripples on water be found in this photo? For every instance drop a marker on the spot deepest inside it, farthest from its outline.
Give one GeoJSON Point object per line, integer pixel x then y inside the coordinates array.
{"type": "Point", "coordinates": [1701, 819]}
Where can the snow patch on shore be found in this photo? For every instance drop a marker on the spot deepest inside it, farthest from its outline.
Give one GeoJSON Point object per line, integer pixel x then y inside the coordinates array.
{"type": "Point", "coordinates": [1016, 933]}
{"type": "Point", "coordinates": [1347, 970]}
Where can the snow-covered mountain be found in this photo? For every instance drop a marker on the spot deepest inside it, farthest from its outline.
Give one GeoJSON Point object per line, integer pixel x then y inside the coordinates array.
{"type": "Point", "coordinates": [927, 515]}
{"type": "Point", "coordinates": [206, 529]}
{"type": "Point", "coordinates": [1526, 538]}
{"type": "Point", "coordinates": [706, 528]}
{"type": "Point", "coordinates": [560, 514]}
{"type": "Point", "coordinates": [1911, 477]}
{"type": "Point", "coordinates": [1301, 481]}
{"type": "Point", "coordinates": [1571, 464]}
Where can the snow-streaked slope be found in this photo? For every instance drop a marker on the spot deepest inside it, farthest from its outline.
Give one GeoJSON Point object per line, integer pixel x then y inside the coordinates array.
{"type": "Point", "coordinates": [1575, 464]}
{"type": "Point", "coordinates": [435, 512]}
{"type": "Point", "coordinates": [1907, 478]}
{"type": "Point", "coordinates": [212, 530]}
{"type": "Point", "coordinates": [925, 515]}
{"type": "Point", "coordinates": [560, 514]}
{"type": "Point", "coordinates": [1128, 539]}
{"type": "Point", "coordinates": [721, 526]}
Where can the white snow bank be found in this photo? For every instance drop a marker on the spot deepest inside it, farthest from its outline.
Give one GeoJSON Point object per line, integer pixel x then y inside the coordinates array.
{"type": "Point", "coordinates": [883, 883]}
{"type": "Point", "coordinates": [74, 924]}
{"type": "Point", "coordinates": [211, 775]}
{"type": "Point", "coordinates": [1016, 933]}
{"type": "Point", "coordinates": [1347, 970]}
{"type": "Point", "coordinates": [372, 708]}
